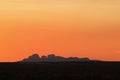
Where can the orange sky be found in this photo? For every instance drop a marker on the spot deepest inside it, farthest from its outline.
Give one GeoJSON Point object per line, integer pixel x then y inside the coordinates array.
{"type": "Point", "coordinates": [82, 28]}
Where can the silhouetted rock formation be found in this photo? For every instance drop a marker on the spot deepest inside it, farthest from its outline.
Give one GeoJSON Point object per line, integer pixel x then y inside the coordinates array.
{"type": "Point", "coordinates": [52, 58]}
{"type": "Point", "coordinates": [32, 58]}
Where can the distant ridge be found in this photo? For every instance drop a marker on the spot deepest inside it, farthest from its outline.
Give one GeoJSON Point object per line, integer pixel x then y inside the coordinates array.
{"type": "Point", "coordinates": [53, 58]}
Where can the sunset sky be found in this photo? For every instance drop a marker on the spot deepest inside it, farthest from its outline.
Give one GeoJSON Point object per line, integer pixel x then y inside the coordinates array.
{"type": "Point", "coordinates": [81, 28]}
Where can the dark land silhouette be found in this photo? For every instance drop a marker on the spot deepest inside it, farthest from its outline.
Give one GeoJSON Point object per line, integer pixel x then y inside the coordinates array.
{"type": "Point", "coordinates": [60, 71]}
{"type": "Point", "coordinates": [53, 67]}
{"type": "Point", "coordinates": [53, 58]}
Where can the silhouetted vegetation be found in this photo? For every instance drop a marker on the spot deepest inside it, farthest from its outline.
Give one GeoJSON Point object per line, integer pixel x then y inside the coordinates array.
{"type": "Point", "coordinates": [60, 71]}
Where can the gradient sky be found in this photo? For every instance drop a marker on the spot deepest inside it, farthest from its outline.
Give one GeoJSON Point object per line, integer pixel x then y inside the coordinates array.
{"type": "Point", "coordinates": [81, 28]}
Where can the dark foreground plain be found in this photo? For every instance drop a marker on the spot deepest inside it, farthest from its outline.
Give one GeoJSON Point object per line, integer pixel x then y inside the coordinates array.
{"type": "Point", "coordinates": [60, 71]}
